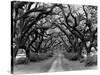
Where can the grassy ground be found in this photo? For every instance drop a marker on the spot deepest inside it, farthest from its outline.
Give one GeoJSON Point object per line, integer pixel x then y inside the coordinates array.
{"type": "Point", "coordinates": [55, 63]}
{"type": "Point", "coordinates": [34, 67]}
{"type": "Point", "coordinates": [69, 64]}
{"type": "Point", "coordinates": [74, 65]}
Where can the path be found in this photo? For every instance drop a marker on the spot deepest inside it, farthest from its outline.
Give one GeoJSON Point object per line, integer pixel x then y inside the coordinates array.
{"type": "Point", "coordinates": [55, 64]}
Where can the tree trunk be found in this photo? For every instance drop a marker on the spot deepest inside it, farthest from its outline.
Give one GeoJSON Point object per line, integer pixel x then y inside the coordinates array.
{"type": "Point", "coordinates": [28, 54]}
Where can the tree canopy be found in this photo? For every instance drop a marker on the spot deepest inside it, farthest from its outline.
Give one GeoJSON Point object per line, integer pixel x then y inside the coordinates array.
{"type": "Point", "coordinates": [39, 27]}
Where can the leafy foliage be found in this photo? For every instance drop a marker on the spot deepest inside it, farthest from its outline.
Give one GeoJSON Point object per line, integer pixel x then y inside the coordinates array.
{"type": "Point", "coordinates": [41, 27]}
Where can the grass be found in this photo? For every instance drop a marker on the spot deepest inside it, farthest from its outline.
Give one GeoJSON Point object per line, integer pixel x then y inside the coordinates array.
{"type": "Point", "coordinates": [91, 61]}
{"type": "Point", "coordinates": [33, 58]}
{"type": "Point", "coordinates": [71, 56]}
{"type": "Point", "coordinates": [34, 67]}
{"type": "Point", "coordinates": [40, 56]}
{"type": "Point", "coordinates": [22, 60]}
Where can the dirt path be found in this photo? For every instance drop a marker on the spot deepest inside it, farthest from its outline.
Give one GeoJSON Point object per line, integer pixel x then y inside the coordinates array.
{"type": "Point", "coordinates": [63, 64]}
{"type": "Point", "coordinates": [55, 64]}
